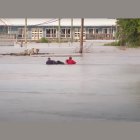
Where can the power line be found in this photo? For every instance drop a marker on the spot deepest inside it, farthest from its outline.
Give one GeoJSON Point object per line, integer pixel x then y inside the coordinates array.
{"type": "Point", "coordinates": [47, 22]}
{"type": "Point", "coordinates": [3, 22]}
{"type": "Point", "coordinates": [42, 22]}
{"type": "Point", "coordinates": [7, 21]}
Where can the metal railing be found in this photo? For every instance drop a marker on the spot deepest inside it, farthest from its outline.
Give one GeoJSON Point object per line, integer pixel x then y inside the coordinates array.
{"type": "Point", "coordinates": [99, 36]}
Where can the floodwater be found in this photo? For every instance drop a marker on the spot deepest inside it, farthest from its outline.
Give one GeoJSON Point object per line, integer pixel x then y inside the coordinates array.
{"type": "Point", "coordinates": [104, 85]}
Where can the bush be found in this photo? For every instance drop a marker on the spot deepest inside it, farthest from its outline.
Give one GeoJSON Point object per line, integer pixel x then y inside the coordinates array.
{"type": "Point", "coordinates": [43, 40]}
{"type": "Point", "coordinates": [116, 43]}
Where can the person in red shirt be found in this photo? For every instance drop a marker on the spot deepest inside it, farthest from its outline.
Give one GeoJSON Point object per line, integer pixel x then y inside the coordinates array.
{"type": "Point", "coordinates": [70, 61]}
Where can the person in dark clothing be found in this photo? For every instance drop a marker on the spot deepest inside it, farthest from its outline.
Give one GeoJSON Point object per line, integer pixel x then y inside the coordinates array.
{"type": "Point", "coordinates": [59, 62]}
{"type": "Point", "coordinates": [53, 62]}
{"type": "Point", "coordinates": [70, 61]}
{"type": "Point", "coordinates": [50, 62]}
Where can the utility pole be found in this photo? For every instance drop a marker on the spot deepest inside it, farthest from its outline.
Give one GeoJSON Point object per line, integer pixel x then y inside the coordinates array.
{"type": "Point", "coordinates": [71, 30]}
{"type": "Point", "coordinates": [25, 31]}
{"type": "Point", "coordinates": [8, 30]}
{"type": "Point", "coordinates": [81, 37]}
{"type": "Point", "coordinates": [59, 31]}
{"type": "Point", "coordinates": [38, 34]}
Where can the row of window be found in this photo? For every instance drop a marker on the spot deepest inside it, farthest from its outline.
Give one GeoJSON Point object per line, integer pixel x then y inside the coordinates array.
{"type": "Point", "coordinates": [65, 32]}
{"type": "Point", "coordinates": [68, 30]}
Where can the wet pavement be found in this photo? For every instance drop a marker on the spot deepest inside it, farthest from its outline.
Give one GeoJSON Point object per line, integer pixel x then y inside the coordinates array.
{"type": "Point", "coordinates": [104, 85]}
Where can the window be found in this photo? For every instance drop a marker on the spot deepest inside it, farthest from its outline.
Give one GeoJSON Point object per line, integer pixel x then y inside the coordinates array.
{"type": "Point", "coordinates": [90, 31]}
{"type": "Point", "coordinates": [105, 31]}
{"type": "Point", "coordinates": [63, 32]}
{"type": "Point", "coordinates": [48, 32]}
{"type": "Point", "coordinates": [51, 32]}
{"type": "Point", "coordinates": [67, 32]}
{"type": "Point", "coordinates": [96, 31]}
{"type": "Point", "coordinates": [110, 30]}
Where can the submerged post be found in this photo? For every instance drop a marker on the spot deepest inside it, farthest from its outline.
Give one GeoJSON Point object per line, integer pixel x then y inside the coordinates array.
{"type": "Point", "coordinates": [81, 36]}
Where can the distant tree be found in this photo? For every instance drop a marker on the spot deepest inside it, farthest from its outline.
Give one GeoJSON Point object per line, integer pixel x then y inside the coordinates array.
{"type": "Point", "coordinates": [128, 31]}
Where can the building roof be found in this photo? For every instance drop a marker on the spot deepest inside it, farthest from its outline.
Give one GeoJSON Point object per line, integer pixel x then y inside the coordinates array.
{"type": "Point", "coordinates": [55, 22]}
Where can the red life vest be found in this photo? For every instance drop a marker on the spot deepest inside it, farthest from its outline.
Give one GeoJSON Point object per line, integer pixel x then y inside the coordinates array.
{"type": "Point", "coordinates": [70, 61]}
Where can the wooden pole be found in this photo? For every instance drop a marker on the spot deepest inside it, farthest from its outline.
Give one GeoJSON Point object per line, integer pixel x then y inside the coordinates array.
{"type": "Point", "coordinates": [59, 31]}
{"type": "Point", "coordinates": [38, 33]}
{"type": "Point", "coordinates": [25, 34]}
{"type": "Point", "coordinates": [81, 37]}
{"type": "Point", "coordinates": [71, 30]}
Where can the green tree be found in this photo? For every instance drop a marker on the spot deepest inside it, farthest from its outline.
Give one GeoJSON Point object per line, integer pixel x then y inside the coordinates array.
{"type": "Point", "coordinates": [128, 31]}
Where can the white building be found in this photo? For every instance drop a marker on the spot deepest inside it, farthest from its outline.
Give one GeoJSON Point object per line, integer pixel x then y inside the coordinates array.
{"type": "Point", "coordinates": [94, 28]}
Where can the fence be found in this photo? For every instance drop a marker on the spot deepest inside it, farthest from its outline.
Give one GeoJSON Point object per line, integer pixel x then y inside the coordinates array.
{"type": "Point", "coordinates": [99, 36]}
